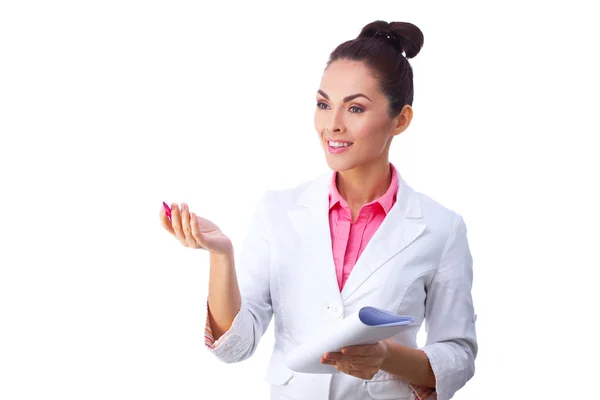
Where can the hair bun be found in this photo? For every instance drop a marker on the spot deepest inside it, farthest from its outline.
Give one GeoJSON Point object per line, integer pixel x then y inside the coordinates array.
{"type": "Point", "coordinates": [403, 36]}
{"type": "Point", "coordinates": [389, 38]}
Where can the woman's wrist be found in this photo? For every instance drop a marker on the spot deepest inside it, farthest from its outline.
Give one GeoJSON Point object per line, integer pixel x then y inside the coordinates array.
{"type": "Point", "coordinates": [408, 363]}
{"type": "Point", "coordinates": [225, 256]}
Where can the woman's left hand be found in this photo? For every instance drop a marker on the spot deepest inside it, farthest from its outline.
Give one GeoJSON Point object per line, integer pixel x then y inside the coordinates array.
{"type": "Point", "coordinates": [362, 361]}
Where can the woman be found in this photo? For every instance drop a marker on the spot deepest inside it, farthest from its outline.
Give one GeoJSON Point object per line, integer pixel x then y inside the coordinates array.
{"type": "Point", "coordinates": [359, 237]}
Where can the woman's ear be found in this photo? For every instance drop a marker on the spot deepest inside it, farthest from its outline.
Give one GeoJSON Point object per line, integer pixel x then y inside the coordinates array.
{"type": "Point", "coordinates": [402, 121]}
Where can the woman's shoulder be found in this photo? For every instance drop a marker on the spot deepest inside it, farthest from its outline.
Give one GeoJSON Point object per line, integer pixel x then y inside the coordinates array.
{"type": "Point", "coordinates": [440, 218]}
{"type": "Point", "coordinates": [436, 213]}
{"type": "Point", "coordinates": [304, 191]}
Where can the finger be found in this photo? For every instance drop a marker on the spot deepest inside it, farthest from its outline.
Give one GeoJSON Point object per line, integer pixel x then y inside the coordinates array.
{"type": "Point", "coordinates": [334, 355]}
{"type": "Point", "coordinates": [196, 233]}
{"type": "Point", "coordinates": [357, 367]}
{"type": "Point", "coordinates": [341, 357]}
{"type": "Point", "coordinates": [360, 350]}
{"type": "Point", "coordinates": [176, 222]}
{"type": "Point", "coordinates": [185, 225]}
{"type": "Point", "coordinates": [164, 220]}
{"type": "Point", "coordinates": [360, 360]}
{"type": "Point", "coordinates": [357, 362]}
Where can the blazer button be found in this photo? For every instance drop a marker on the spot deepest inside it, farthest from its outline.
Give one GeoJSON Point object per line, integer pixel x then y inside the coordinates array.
{"type": "Point", "coordinates": [336, 310]}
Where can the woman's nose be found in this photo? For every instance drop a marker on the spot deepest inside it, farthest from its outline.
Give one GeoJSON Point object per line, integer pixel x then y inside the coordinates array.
{"type": "Point", "coordinates": [336, 122]}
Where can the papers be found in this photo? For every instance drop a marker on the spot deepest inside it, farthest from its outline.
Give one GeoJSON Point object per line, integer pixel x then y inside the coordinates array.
{"type": "Point", "coordinates": [368, 325]}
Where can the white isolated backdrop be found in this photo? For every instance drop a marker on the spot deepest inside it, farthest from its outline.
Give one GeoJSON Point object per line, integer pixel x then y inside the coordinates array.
{"type": "Point", "coordinates": [108, 108]}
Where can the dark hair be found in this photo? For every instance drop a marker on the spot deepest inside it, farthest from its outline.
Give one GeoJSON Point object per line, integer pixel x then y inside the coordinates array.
{"type": "Point", "coordinates": [380, 46]}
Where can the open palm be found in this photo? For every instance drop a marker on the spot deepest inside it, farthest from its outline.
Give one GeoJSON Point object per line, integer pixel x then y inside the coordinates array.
{"type": "Point", "coordinates": [194, 231]}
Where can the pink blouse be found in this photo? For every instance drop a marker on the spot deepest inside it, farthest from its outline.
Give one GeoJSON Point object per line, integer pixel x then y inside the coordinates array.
{"type": "Point", "coordinates": [349, 239]}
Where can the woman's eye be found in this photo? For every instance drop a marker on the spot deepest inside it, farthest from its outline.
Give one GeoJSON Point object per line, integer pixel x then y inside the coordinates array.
{"type": "Point", "coordinates": [353, 109]}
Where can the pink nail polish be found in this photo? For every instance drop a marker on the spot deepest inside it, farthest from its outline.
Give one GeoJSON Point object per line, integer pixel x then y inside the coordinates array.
{"type": "Point", "coordinates": [167, 210]}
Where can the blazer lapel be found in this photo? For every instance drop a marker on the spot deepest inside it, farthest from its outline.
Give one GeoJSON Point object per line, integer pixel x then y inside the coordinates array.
{"type": "Point", "coordinates": [311, 220]}
{"type": "Point", "coordinates": [401, 226]}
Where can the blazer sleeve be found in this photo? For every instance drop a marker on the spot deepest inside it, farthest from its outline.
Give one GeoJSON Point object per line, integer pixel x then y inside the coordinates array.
{"type": "Point", "coordinates": [449, 316]}
{"type": "Point", "coordinates": [254, 316]}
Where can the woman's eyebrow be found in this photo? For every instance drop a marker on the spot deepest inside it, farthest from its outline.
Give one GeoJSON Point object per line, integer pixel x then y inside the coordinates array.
{"type": "Point", "coordinates": [347, 98]}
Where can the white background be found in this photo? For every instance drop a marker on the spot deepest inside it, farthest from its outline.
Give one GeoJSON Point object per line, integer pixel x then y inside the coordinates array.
{"type": "Point", "coordinates": [107, 108]}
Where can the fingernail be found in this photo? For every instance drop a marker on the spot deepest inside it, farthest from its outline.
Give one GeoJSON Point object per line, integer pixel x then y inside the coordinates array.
{"type": "Point", "coordinates": [167, 210]}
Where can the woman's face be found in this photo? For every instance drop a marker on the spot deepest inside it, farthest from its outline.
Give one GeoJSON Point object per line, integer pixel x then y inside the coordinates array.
{"type": "Point", "coordinates": [352, 118]}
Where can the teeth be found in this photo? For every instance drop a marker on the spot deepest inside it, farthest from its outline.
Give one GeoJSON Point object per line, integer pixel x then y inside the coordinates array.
{"type": "Point", "coordinates": [338, 144]}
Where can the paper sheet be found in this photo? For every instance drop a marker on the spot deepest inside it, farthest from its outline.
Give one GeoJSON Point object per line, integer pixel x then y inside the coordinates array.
{"type": "Point", "coordinates": [368, 325]}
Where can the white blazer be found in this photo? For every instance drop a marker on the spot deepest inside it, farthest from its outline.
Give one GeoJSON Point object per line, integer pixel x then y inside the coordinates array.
{"type": "Point", "coordinates": [417, 263]}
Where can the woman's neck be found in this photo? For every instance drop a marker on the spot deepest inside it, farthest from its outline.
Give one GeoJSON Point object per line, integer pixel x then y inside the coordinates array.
{"type": "Point", "coordinates": [364, 184]}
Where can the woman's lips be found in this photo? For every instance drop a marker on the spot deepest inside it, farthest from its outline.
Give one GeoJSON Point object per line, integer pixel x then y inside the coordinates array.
{"type": "Point", "coordinates": [337, 149]}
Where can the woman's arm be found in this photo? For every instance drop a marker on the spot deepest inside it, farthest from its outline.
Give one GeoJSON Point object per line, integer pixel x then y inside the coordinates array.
{"type": "Point", "coordinates": [451, 345]}
{"type": "Point", "coordinates": [410, 364]}
{"type": "Point", "coordinates": [224, 300]}
{"type": "Point", "coordinates": [446, 362]}
{"type": "Point", "coordinates": [239, 307]}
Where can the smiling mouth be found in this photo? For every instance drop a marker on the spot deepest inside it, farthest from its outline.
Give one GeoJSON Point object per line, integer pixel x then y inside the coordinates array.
{"type": "Point", "coordinates": [338, 145]}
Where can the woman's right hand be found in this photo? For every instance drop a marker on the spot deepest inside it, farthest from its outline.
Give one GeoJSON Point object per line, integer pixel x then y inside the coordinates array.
{"type": "Point", "coordinates": [194, 231]}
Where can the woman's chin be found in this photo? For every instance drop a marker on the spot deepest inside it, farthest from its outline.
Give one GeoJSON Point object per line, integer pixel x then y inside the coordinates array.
{"type": "Point", "coordinates": [336, 164]}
